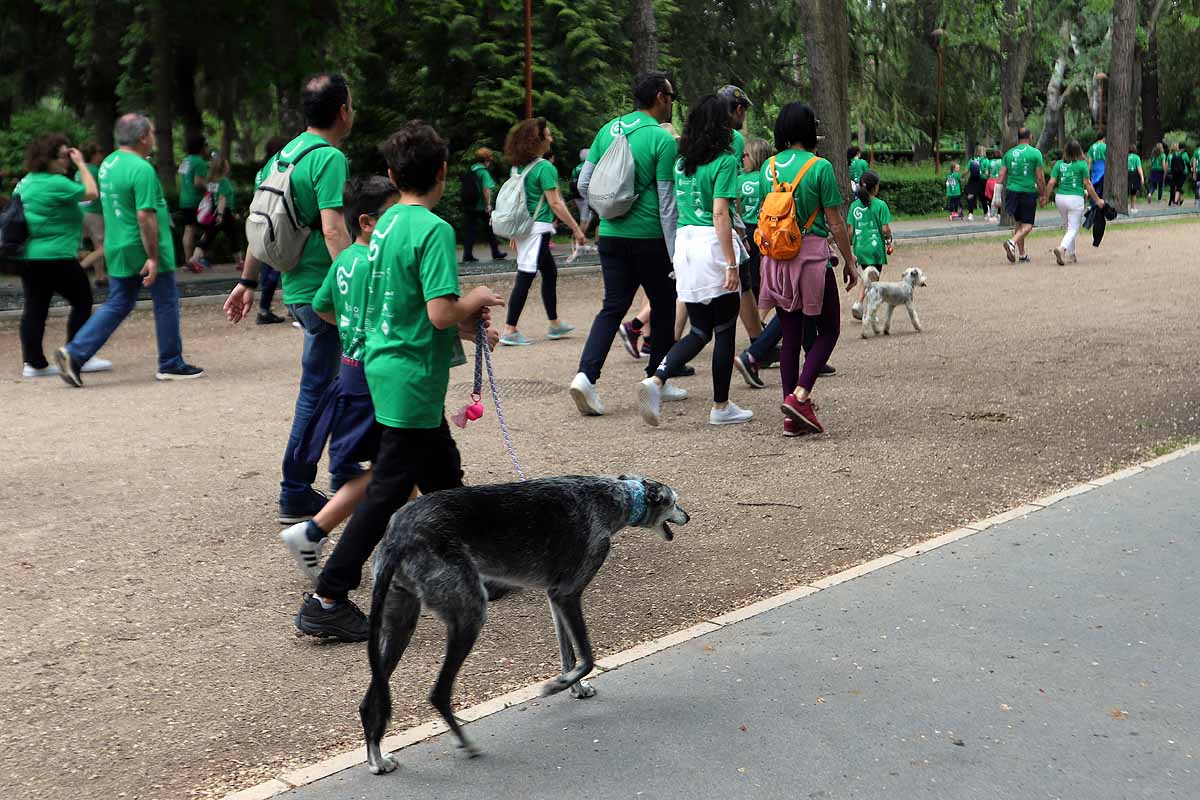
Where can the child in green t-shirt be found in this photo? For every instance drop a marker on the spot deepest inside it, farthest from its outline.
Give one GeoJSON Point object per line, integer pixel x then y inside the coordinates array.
{"type": "Point", "coordinates": [954, 192]}
{"type": "Point", "coordinates": [346, 416]}
{"type": "Point", "coordinates": [412, 311]}
{"type": "Point", "coordinates": [870, 232]}
{"type": "Point", "coordinates": [215, 215]}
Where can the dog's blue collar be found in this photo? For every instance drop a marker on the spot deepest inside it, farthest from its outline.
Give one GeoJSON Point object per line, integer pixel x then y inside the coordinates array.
{"type": "Point", "coordinates": [638, 510]}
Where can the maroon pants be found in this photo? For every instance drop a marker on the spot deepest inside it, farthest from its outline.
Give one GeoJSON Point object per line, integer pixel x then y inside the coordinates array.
{"type": "Point", "coordinates": [828, 327]}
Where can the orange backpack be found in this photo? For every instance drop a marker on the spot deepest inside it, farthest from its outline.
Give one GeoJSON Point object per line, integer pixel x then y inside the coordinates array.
{"type": "Point", "coordinates": [779, 233]}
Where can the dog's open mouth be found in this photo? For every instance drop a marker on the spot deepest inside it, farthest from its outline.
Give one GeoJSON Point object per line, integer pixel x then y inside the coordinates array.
{"type": "Point", "coordinates": [667, 533]}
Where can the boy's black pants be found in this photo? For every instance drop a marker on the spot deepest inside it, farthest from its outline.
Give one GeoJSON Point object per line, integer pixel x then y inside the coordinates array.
{"type": "Point", "coordinates": [426, 458]}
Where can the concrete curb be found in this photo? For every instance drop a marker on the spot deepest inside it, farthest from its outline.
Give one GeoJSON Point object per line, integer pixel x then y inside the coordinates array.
{"type": "Point", "coordinates": [329, 766]}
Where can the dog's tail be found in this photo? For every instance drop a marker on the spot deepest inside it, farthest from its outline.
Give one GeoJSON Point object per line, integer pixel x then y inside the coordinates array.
{"type": "Point", "coordinates": [868, 276]}
{"type": "Point", "coordinates": [376, 707]}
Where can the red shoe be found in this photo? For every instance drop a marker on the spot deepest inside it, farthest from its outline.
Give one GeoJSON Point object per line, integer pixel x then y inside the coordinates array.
{"type": "Point", "coordinates": [792, 428]}
{"type": "Point", "coordinates": [802, 413]}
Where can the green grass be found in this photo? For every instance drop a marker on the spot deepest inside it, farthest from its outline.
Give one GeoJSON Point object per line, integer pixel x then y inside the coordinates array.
{"type": "Point", "coordinates": [1171, 445]}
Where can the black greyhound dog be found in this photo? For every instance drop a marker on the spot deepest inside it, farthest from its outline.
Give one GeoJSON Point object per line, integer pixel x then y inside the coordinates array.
{"type": "Point", "coordinates": [551, 534]}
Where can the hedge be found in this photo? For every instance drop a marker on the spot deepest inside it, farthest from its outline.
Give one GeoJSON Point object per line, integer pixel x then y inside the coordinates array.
{"type": "Point", "coordinates": [913, 196]}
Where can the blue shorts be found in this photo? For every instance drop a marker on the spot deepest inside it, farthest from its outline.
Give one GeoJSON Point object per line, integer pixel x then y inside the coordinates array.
{"type": "Point", "coordinates": [345, 418]}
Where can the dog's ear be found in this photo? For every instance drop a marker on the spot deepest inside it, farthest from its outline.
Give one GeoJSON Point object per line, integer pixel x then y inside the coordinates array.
{"type": "Point", "coordinates": [653, 492]}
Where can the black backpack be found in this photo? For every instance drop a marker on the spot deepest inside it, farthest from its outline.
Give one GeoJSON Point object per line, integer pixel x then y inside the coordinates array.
{"type": "Point", "coordinates": [975, 170]}
{"type": "Point", "coordinates": [470, 191]}
{"type": "Point", "coordinates": [1177, 165]}
{"type": "Point", "coordinates": [14, 230]}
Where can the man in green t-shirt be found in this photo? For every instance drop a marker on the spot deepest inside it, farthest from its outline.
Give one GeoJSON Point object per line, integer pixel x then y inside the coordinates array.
{"type": "Point", "coordinates": [139, 249]}
{"type": "Point", "coordinates": [480, 213]}
{"type": "Point", "coordinates": [1024, 184]}
{"type": "Point", "coordinates": [1136, 179]}
{"type": "Point", "coordinates": [193, 183]}
{"type": "Point", "coordinates": [318, 180]}
{"type": "Point", "coordinates": [412, 313]}
{"type": "Point", "coordinates": [858, 166]}
{"type": "Point", "coordinates": [635, 249]}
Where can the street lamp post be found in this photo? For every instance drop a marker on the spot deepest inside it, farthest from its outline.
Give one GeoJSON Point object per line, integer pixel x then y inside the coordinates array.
{"type": "Point", "coordinates": [937, 138]}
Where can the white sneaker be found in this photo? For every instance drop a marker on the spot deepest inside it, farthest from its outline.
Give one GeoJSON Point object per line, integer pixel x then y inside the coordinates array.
{"type": "Point", "coordinates": [856, 311]}
{"type": "Point", "coordinates": [96, 364]}
{"type": "Point", "coordinates": [650, 401]}
{"type": "Point", "coordinates": [586, 398]}
{"type": "Point", "coordinates": [33, 372]}
{"type": "Point", "coordinates": [672, 394]}
{"type": "Point", "coordinates": [729, 415]}
{"type": "Point", "coordinates": [306, 552]}
{"type": "Point", "coordinates": [971, 217]}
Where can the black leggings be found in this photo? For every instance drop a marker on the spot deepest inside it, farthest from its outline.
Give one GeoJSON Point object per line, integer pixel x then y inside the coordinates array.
{"type": "Point", "coordinates": [41, 280]}
{"type": "Point", "coordinates": [229, 226]}
{"type": "Point", "coordinates": [719, 318]}
{"type": "Point", "coordinates": [520, 292]}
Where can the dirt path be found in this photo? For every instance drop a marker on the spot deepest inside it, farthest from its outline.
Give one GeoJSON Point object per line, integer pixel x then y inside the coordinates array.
{"type": "Point", "coordinates": [153, 655]}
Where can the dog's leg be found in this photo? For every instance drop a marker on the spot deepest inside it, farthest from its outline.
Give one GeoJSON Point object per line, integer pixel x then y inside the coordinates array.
{"type": "Point", "coordinates": [569, 608]}
{"type": "Point", "coordinates": [389, 639]}
{"type": "Point", "coordinates": [887, 322]}
{"type": "Point", "coordinates": [867, 317]}
{"type": "Point", "coordinates": [912, 315]}
{"type": "Point", "coordinates": [580, 689]}
{"type": "Point", "coordinates": [460, 603]}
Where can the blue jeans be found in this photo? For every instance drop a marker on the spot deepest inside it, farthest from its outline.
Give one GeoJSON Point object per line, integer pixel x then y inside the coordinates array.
{"type": "Point", "coordinates": [319, 365]}
{"type": "Point", "coordinates": [122, 294]}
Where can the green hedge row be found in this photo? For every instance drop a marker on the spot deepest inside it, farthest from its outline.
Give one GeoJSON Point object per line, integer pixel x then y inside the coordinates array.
{"type": "Point", "coordinates": [913, 196]}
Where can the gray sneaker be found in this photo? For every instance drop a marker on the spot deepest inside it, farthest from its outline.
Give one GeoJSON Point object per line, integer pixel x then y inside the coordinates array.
{"type": "Point", "coordinates": [344, 622]}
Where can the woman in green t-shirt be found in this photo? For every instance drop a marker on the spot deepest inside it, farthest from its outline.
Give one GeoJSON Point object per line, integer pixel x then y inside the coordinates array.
{"type": "Point", "coordinates": [1158, 173]}
{"type": "Point", "coordinates": [216, 215]}
{"type": "Point", "coordinates": [49, 264]}
{"type": "Point", "coordinates": [707, 258]}
{"type": "Point", "coordinates": [525, 148]}
{"type": "Point", "coordinates": [1072, 179]}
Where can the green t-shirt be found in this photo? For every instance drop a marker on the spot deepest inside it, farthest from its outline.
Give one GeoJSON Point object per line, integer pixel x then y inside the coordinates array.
{"type": "Point", "coordinates": [91, 206]}
{"type": "Point", "coordinates": [1158, 161]}
{"type": "Point", "coordinates": [818, 190]}
{"type": "Point", "coordinates": [858, 166]}
{"type": "Point", "coordinates": [1071, 176]}
{"type": "Point", "coordinates": [1022, 162]}
{"type": "Point", "coordinates": [1135, 162]}
{"type": "Point", "coordinates": [348, 277]}
{"type": "Point", "coordinates": [223, 188]}
{"type": "Point", "coordinates": [1196, 158]}
{"type": "Point", "coordinates": [317, 183]}
{"type": "Point", "coordinates": [486, 182]}
{"type": "Point", "coordinates": [953, 185]}
{"type": "Point", "coordinates": [751, 193]}
{"type": "Point", "coordinates": [190, 195]}
{"type": "Point", "coordinates": [654, 153]}
{"type": "Point", "coordinates": [695, 193]}
{"type": "Point", "coordinates": [996, 165]}
{"type": "Point", "coordinates": [53, 215]}
{"type": "Point", "coordinates": [128, 184]}
{"type": "Point", "coordinates": [866, 231]}
{"type": "Point", "coordinates": [413, 261]}
{"type": "Point", "coordinates": [1097, 152]}
{"type": "Point", "coordinates": [539, 179]}
{"type": "Point", "coordinates": [738, 147]}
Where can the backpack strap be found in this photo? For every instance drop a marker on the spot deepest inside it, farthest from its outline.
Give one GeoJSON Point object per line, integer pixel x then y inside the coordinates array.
{"type": "Point", "coordinates": [303, 153]}
{"type": "Point", "coordinates": [796, 183]}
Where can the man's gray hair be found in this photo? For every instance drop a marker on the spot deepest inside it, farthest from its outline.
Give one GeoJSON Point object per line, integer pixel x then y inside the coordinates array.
{"type": "Point", "coordinates": [131, 129]}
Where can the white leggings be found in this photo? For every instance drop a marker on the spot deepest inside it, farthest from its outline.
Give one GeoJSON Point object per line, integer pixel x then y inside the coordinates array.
{"type": "Point", "coordinates": [1070, 208]}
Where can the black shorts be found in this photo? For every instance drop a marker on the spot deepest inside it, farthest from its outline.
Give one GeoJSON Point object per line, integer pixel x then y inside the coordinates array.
{"type": "Point", "coordinates": [749, 270]}
{"type": "Point", "coordinates": [1135, 182]}
{"type": "Point", "coordinates": [1021, 205]}
{"type": "Point", "coordinates": [954, 204]}
{"type": "Point", "coordinates": [187, 216]}
{"type": "Point", "coordinates": [345, 418]}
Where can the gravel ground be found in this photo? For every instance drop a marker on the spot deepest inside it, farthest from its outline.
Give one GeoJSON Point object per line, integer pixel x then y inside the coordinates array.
{"type": "Point", "coordinates": [154, 655]}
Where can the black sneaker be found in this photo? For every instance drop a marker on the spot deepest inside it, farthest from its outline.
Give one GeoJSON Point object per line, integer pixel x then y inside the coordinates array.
{"type": "Point", "coordinates": [470, 260]}
{"type": "Point", "coordinates": [685, 371]}
{"type": "Point", "coordinates": [749, 369]}
{"type": "Point", "coordinates": [301, 508]}
{"type": "Point", "coordinates": [268, 318]}
{"type": "Point", "coordinates": [827, 370]}
{"type": "Point", "coordinates": [499, 256]}
{"type": "Point", "coordinates": [345, 621]}
{"type": "Point", "coordinates": [68, 368]}
{"type": "Point", "coordinates": [771, 359]}
{"type": "Point", "coordinates": [629, 338]}
{"type": "Point", "coordinates": [184, 373]}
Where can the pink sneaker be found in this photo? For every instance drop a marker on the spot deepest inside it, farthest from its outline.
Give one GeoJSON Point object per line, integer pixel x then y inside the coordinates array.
{"type": "Point", "coordinates": [801, 412]}
{"type": "Point", "coordinates": [792, 428]}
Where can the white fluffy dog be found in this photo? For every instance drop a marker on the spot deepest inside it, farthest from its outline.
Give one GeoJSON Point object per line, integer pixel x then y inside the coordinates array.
{"type": "Point", "coordinates": [893, 294]}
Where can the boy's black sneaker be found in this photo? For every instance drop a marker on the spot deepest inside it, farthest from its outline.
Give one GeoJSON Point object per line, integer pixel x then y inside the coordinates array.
{"type": "Point", "coordinates": [344, 622]}
{"type": "Point", "coordinates": [268, 318]}
{"type": "Point", "coordinates": [684, 371]}
{"type": "Point", "coordinates": [301, 508]}
{"type": "Point", "coordinates": [68, 368]}
{"type": "Point", "coordinates": [184, 373]}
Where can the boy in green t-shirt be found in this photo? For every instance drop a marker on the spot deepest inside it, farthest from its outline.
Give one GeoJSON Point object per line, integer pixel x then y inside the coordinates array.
{"type": "Point", "coordinates": [411, 312]}
{"type": "Point", "coordinates": [869, 222]}
{"type": "Point", "coordinates": [954, 192]}
{"type": "Point", "coordinates": [349, 426]}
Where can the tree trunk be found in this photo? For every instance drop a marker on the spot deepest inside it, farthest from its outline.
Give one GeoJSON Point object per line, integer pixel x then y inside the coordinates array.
{"type": "Point", "coordinates": [1151, 114]}
{"type": "Point", "coordinates": [287, 89]}
{"type": "Point", "coordinates": [1056, 89]}
{"type": "Point", "coordinates": [644, 28]}
{"type": "Point", "coordinates": [862, 133]}
{"type": "Point", "coordinates": [1015, 36]}
{"type": "Point", "coordinates": [826, 37]}
{"type": "Point", "coordinates": [164, 112]}
{"type": "Point", "coordinates": [1122, 103]}
{"type": "Point", "coordinates": [186, 66]}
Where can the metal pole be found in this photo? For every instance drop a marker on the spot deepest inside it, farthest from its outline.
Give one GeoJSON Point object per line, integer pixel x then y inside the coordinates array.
{"type": "Point", "coordinates": [528, 59]}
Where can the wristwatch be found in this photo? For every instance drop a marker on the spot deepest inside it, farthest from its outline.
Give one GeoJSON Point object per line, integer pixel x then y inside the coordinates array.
{"type": "Point", "coordinates": [731, 266]}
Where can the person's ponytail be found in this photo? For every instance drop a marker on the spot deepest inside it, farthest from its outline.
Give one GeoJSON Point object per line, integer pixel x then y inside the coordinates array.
{"type": "Point", "coordinates": [866, 186]}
